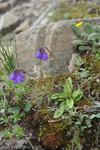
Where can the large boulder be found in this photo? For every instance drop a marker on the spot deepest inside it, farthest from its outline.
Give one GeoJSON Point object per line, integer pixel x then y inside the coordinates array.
{"type": "Point", "coordinates": [8, 20]}
{"type": "Point", "coordinates": [58, 37]}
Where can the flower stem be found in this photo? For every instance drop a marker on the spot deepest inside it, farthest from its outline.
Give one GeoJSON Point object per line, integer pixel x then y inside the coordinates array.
{"type": "Point", "coordinates": [27, 73]}
{"type": "Point", "coordinates": [55, 60]}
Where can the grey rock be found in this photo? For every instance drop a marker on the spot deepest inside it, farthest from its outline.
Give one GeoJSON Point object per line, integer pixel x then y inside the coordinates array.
{"type": "Point", "coordinates": [35, 13]}
{"type": "Point", "coordinates": [45, 21]}
{"type": "Point", "coordinates": [43, 15]}
{"type": "Point", "coordinates": [13, 2]}
{"type": "Point", "coordinates": [58, 37]}
{"type": "Point", "coordinates": [28, 50]}
{"type": "Point", "coordinates": [7, 20]}
{"type": "Point", "coordinates": [16, 144]}
{"type": "Point", "coordinates": [28, 5]}
{"type": "Point", "coordinates": [29, 10]}
{"type": "Point", "coordinates": [22, 27]}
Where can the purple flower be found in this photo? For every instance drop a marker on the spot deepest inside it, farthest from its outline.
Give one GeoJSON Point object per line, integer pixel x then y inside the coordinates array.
{"type": "Point", "coordinates": [17, 76]}
{"type": "Point", "coordinates": [44, 56]}
{"type": "Point", "coordinates": [41, 54]}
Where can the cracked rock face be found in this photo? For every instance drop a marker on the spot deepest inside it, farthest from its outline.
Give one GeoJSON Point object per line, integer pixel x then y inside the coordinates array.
{"type": "Point", "coordinates": [58, 37]}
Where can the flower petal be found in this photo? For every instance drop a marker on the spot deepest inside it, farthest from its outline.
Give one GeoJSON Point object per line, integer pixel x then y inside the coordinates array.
{"type": "Point", "coordinates": [18, 79]}
{"type": "Point", "coordinates": [22, 75]}
{"type": "Point", "coordinates": [45, 57]}
{"type": "Point", "coordinates": [39, 55]}
{"type": "Point", "coordinates": [12, 76]}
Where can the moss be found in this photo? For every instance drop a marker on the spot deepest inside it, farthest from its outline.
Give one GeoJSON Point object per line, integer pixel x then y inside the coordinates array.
{"type": "Point", "coordinates": [79, 10]}
{"type": "Point", "coordinates": [53, 140]}
{"type": "Point", "coordinates": [87, 139]}
{"type": "Point", "coordinates": [54, 134]}
{"type": "Point", "coordinates": [82, 103]}
{"type": "Point", "coordinates": [92, 64]}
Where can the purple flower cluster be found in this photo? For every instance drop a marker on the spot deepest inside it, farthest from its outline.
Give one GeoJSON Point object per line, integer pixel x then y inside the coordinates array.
{"type": "Point", "coordinates": [17, 76]}
{"type": "Point", "coordinates": [41, 54]}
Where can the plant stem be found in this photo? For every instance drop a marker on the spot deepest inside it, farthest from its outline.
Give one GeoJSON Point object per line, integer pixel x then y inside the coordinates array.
{"type": "Point", "coordinates": [55, 60]}
{"type": "Point", "coordinates": [29, 142]}
{"type": "Point", "coordinates": [27, 73]}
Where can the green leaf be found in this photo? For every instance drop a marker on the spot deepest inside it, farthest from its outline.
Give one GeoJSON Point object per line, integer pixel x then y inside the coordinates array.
{"type": "Point", "coordinates": [79, 123]}
{"type": "Point", "coordinates": [77, 95]}
{"type": "Point", "coordinates": [27, 107]}
{"type": "Point", "coordinates": [98, 115]}
{"type": "Point", "coordinates": [70, 103]}
{"type": "Point", "coordinates": [19, 131]}
{"type": "Point", "coordinates": [83, 127]}
{"type": "Point", "coordinates": [97, 56]}
{"type": "Point", "coordinates": [2, 103]}
{"type": "Point", "coordinates": [99, 36]}
{"type": "Point", "coordinates": [70, 83]}
{"type": "Point", "coordinates": [84, 48]}
{"type": "Point", "coordinates": [14, 109]}
{"type": "Point", "coordinates": [58, 113]}
{"type": "Point", "coordinates": [92, 41]}
{"type": "Point", "coordinates": [88, 122]}
{"type": "Point", "coordinates": [54, 96]}
{"type": "Point", "coordinates": [76, 29]}
{"type": "Point", "coordinates": [84, 36]}
{"type": "Point", "coordinates": [89, 28]}
{"type": "Point", "coordinates": [68, 88]}
{"type": "Point", "coordinates": [96, 106]}
{"type": "Point", "coordinates": [97, 28]}
{"type": "Point", "coordinates": [92, 116]}
{"type": "Point", "coordinates": [78, 42]}
{"type": "Point", "coordinates": [38, 99]}
{"type": "Point", "coordinates": [22, 115]}
{"type": "Point", "coordinates": [96, 44]}
{"type": "Point", "coordinates": [70, 111]}
{"type": "Point", "coordinates": [3, 120]}
{"type": "Point", "coordinates": [98, 50]}
{"type": "Point", "coordinates": [57, 95]}
{"type": "Point", "coordinates": [11, 117]}
{"type": "Point", "coordinates": [2, 111]}
{"type": "Point", "coordinates": [92, 36]}
{"type": "Point", "coordinates": [85, 116]}
{"type": "Point", "coordinates": [94, 50]}
{"type": "Point", "coordinates": [1, 91]}
{"type": "Point", "coordinates": [63, 104]}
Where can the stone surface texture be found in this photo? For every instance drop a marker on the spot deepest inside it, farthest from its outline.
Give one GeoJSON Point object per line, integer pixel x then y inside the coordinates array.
{"type": "Point", "coordinates": [19, 144]}
{"type": "Point", "coordinates": [24, 26]}
{"type": "Point", "coordinates": [29, 13]}
{"type": "Point", "coordinates": [58, 37]}
{"type": "Point", "coordinates": [26, 11]}
{"type": "Point", "coordinates": [8, 20]}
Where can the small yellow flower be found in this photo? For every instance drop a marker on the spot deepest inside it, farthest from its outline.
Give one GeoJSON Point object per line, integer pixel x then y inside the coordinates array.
{"type": "Point", "coordinates": [79, 24]}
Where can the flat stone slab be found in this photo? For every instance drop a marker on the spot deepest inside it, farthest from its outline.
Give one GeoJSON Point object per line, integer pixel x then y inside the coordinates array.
{"type": "Point", "coordinates": [58, 37]}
